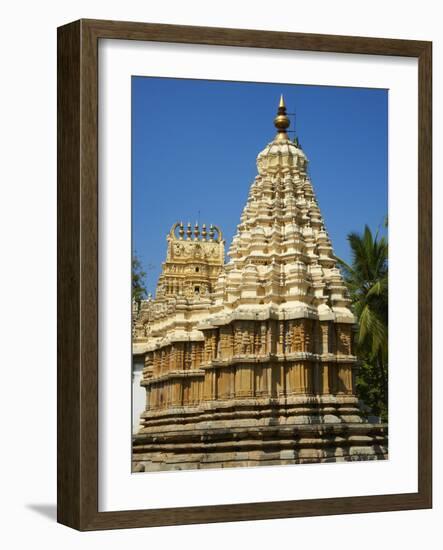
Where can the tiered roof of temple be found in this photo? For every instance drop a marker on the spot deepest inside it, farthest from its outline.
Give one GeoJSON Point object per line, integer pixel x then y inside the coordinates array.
{"type": "Point", "coordinates": [194, 260]}
{"type": "Point", "coordinates": [260, 344]}
{"type": "Point", "coordinates": [193, 263]}
{"type": "Point", "coordinates": [281, 256]}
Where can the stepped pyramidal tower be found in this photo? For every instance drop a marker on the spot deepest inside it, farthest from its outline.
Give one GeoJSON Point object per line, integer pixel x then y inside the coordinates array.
{"type": "Point", "coordinates": [252, 362]}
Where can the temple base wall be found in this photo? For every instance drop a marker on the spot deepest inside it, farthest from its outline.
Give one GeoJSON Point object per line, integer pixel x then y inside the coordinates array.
{"type": "Point", "coordinates": [257, 432]}
{"type": "Point", "coordinates": [252, 446]}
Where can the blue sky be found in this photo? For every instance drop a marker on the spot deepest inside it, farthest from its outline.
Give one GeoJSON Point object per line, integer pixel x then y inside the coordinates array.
{"type": "Point", "coordinates": [194, 145]}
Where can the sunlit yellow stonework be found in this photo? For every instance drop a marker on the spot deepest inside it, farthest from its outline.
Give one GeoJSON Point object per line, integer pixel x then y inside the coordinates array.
{"type": "Point", "coordinates": [252, 362]}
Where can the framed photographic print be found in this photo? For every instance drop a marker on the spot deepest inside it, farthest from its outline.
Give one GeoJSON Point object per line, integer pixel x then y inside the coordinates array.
{"type": "Point", "coordinates": [244, 274]}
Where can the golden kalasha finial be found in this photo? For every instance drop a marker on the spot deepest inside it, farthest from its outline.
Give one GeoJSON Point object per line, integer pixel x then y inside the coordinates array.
{"type": "Point", "coordinates": [204, 232]}
{"type": "Point", "coordinates": [196, 230]}
{"type": "Point", "coordinates": [211, 232]}
{"type": "Point", "coordinates": [181, 231]}
{"type": "Point", "coordinates": [281, 121]}
{"type": "Point", "coordinates": [189, 231]}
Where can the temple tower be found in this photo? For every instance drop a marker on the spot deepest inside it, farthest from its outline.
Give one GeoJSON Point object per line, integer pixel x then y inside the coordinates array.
{"type": "Point", "coordinates": [194, 260]}
{"type": "Point", "coordinates": [270, 373]}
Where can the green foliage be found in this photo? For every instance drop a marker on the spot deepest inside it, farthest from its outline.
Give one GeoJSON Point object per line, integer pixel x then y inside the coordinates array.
{"type": "Point", "coordinates": [367, 281]}
{"type": "Point", "coordinates": [370, 390]}
{"type": "Point", "coordinates": [139, 292]}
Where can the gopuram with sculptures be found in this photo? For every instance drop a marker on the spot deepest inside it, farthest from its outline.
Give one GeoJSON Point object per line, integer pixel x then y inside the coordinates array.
{"type": "Point", "coordinates": [251, 362]}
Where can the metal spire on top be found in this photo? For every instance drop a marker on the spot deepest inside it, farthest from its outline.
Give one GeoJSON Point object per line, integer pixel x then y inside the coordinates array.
{"type": "Point", "coordinates": [281, 121]}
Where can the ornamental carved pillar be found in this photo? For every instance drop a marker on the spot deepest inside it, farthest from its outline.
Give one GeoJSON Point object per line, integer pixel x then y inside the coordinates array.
{"type": "Point", "coordinates": [324, 330]}
{"type": "Point", "coordinates": [326, 387]}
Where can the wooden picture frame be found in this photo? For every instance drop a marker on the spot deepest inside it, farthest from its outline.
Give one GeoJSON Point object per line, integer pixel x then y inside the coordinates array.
{"type": "Point", "coordinates": [78, 274]}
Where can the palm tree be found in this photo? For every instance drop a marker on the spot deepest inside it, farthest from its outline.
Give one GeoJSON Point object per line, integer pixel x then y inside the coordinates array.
{"type": "Point", "coordinates": [367, 280]}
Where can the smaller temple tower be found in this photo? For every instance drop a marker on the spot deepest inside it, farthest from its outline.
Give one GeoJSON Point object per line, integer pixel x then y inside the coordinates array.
{"type": "Point", "coordinates": [193, 263]}
{"type": "Point", "coordinates": [194, 260]}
